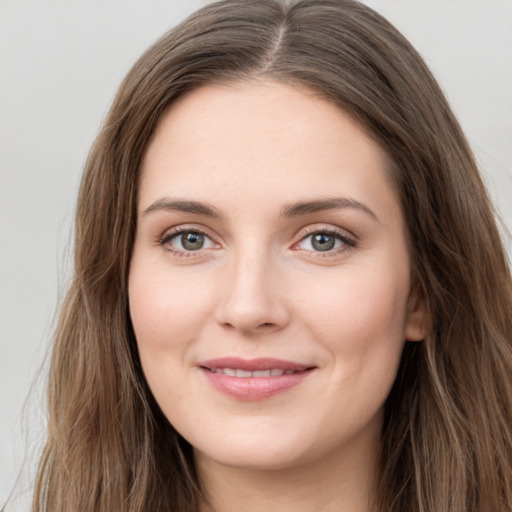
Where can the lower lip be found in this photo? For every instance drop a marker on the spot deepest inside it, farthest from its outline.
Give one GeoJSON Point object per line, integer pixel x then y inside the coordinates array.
{"type": "Point", "coordinates": [254, 388]}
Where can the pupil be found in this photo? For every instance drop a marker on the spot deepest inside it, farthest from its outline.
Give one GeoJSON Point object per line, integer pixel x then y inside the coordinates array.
{"type": "Point", "coordinates": [323, 242]}
{"type": "Point", "coordinates": [192, 241]}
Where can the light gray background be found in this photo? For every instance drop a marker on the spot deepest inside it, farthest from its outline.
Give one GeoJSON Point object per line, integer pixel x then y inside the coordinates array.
{"type": "Point", "coordinates": [60, 64]}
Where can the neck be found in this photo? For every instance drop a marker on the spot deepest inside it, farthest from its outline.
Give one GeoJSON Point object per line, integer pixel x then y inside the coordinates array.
{"type": "Point", "coordinates": [344, 480]}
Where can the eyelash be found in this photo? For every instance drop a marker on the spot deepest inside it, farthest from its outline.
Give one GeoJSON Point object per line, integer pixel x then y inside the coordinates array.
{"type": "Point", "coordinates": [346, 241]}
{"type": "Point", "coordinates": [169, 235]}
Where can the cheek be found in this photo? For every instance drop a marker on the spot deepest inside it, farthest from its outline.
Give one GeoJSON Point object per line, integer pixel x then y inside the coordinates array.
{"type": "Point", "coordinates": [154, 314]}
{"type": "Point", "coordinates": [360, 319]}
{"type": "Point", "coordinates": [357, 304]}
{"type": "Point", "coordinates": [165, 310]}
{"type": "Point", "coordinates": [167, 313]}
{"type": "Point", "coordinates": [166, 316]}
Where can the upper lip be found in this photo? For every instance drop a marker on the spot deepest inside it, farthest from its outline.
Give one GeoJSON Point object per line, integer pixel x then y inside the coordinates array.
{"type": "Point", "coordinates": [262, 363]}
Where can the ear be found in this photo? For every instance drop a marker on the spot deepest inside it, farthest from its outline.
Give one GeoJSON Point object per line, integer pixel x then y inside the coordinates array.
{"type": "Point", "coordinates": [418, 322]}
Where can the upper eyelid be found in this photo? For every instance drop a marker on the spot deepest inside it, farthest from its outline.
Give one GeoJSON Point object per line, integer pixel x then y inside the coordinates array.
{"type": "Point", "coordinates": [325, 228]}
{"type": "Point", "coordinates": [184, 228]}
{"type": "Point", "coordinates": [171, 233]}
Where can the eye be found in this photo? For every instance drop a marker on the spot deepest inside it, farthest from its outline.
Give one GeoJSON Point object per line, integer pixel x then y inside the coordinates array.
{"type": "Point", "coordinates": [187, 240]}
{"type": "Point", "coordinates": [325, 241]}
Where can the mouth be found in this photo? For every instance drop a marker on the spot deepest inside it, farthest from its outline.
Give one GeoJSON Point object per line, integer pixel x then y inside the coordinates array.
{"type": "Point", "coordinates": [254, 379]}
{"type": "Point", "coordinates": [237, 372]}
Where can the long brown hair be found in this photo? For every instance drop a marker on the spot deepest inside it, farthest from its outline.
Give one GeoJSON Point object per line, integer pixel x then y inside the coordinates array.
{"type": "Point", "coordinates": [447, 435]}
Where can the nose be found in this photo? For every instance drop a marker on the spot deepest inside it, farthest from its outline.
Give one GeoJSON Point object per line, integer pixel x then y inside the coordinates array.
{"type": "Point", "coordinates": [253, 295]}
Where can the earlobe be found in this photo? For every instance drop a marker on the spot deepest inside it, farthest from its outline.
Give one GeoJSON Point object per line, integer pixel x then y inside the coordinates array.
{"type": "Point", "coordinates": [418, 323]}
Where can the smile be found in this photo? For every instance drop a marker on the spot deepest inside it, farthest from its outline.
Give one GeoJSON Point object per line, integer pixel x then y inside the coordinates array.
{"type": "Point", "coordinates": [255, 379]}
{"type": "Point", "coordinates": [237, 372]}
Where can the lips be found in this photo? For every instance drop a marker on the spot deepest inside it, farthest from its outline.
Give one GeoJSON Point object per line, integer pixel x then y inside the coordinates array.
{"type": "Point", "coordinates": [253, 379]}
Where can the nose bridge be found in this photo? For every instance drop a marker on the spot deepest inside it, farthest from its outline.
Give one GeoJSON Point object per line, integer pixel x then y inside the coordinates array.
{"type": "Point", "coordinates": [251, 298]}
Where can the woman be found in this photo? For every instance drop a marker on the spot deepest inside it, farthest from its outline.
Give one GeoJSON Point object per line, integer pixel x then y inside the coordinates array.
{"type": "Point", "coordinates": [289, 287]}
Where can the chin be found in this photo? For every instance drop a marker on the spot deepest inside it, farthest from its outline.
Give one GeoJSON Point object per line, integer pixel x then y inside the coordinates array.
{"type": "Point", "coordinates": [260, 451]}
{"type": "Point", "coordinates": [254, 458]}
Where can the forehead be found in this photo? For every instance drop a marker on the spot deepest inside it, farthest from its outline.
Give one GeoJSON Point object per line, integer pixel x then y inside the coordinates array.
{"type": "Point", "coordinates": [270, 139]}
{"type": "Point", "coordinates": [286, 113]}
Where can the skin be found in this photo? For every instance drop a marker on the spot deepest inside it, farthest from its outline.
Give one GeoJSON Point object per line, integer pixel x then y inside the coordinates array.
{"type": "Point", "coordinates": [259, 287]}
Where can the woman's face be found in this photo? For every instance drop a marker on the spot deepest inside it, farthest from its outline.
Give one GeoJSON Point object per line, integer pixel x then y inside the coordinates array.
{"type": "Point", "coordinates": [270, 279]}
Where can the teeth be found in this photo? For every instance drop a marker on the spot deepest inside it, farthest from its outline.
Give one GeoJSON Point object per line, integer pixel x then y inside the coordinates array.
{"type": "Point", "coordinates": [274, 372]}
{"type": "Point", "coordinates": [261, 373]}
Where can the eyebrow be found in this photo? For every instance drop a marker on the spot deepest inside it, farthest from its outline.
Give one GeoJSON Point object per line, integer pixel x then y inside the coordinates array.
{"type": "Point", "coordinates": [183, 206]}
{"type": "Point", "coordinates": [292, 210]}
{"type": "Point", "coordinates": [335, 203]}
